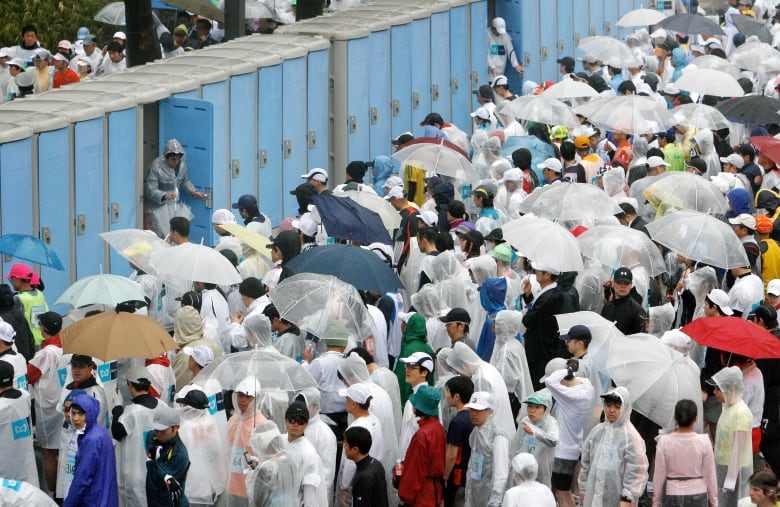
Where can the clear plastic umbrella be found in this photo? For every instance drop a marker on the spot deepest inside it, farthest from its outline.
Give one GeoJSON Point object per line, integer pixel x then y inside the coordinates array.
{"type": "Point", "coordinates": [254, 9]}
{"type": "Point", "coordinates": [699, 237]}
{"type": "Point", "coordinates": [569, 201]}
{"type": "Point", "coordinates": [641, 17]}
{"type": "Point", "coordinates": [717, 63]}
{"type": "Point", "coordinates": [699, 116]}
{"type": "Point", "coordinates": [656, 375]}
{"type": "Point", "coordinates": [609, 50]}
{"type": "Point", "coordinates": [752, 55]}
{"type": "Point", "coordinates": [383, 208]}
{"type": "Point", "coordinates": [321, 303]}
{"type": "Point", "coordinates": [274, 371]}
{"type": "Point", "coordinates": [183, 264]}
{"type": "Point", "coordinates": [590, 107]}
{"type": "Point", "coordinates": [570, 89]}
{"type": "Point", "coordinates": [615, 246]}
{"type": "Point", "coordinates": [683, 190]}
{"type": "Point", "coordinates": [544, 241]}
{"type": "Point", "coordinates": [541, 109]}
{"type": "Point", "coordinates": [438, 158]}
{"type": "Point", "coordinates": [632, 114]}
{"type": "Point", "coordinates": [101, 289]}
{"type": "Point", "coordinates": [709, 82]}
{"type": "Point", "coordinates": [114, 14]}
{"type": "Point", "coordinates": [136, 245]}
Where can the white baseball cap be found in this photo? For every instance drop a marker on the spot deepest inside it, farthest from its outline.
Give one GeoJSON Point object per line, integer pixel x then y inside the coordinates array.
{"type": "Point", "coordinates": [481, 400]}
{"type": "Point", "coordinates": [656, 161]}
{"type": "Point", "coordinates": [395, 193]}
{"type": "Point", "coordinates": [201, 354]}
{"type": "Point", "coordinates": [773, 287]}
{"type": "Point", "coordinates": [513, 174]}
{"type": "Point", "coordinates": [721, 300]}
{"type": "Point", "coordinates": [306, 225]}
{"type": "Point", "coordinates": [538, 266]}
{"type": "Point", "coordinates": [359, 393]}
{"type": "Point", "coordinates": [551, 163]}
{"type": "Point", "coordinates": [481, 113]}
{"type": "Point", "coordinates": [223, 216]}
{"type": "Point", "coordinates": [318, 174]}
{"type": "Point", "coordinates": [499, 24]}
{"type": "Point", "coordinates": [419, 359]}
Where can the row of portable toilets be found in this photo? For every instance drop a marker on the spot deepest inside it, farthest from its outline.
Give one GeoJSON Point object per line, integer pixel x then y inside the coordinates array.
{"type": "Point", "coordinates": [253, 115]}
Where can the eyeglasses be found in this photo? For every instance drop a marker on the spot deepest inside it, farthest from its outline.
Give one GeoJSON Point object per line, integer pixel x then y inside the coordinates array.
{"type": "Point", "coordinates": [298, 421]}
{"type": "Point", "coordinates": [174, 155]}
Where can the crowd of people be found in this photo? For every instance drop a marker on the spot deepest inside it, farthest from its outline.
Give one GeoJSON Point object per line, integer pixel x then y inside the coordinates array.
{"type": "Point", "coordinates": [460, 388]}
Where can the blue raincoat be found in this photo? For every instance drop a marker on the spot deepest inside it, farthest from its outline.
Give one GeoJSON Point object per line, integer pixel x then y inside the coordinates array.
{"type": "Point", "coordinates": [491, 294]}
{"type": "Point", "coordinates": [680, 62]}
{"type": "Point", "coordinates": [94, 480]}
{"type": "Point", "coordinates": [384, 166]}
{"type": "Point", "coordinates": [739, 198]}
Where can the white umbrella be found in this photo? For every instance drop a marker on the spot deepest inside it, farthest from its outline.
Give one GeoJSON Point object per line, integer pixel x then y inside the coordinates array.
{"type": "Point", "coordinates": [254, 9]}
{"type": "Point", "coordinates": [570, 89]}
{"type": "Point", "coordinates": [569, 201]}
{"type": "Point", "coordinates": [656, 375]}
{"type": "Point", "coordinates": [541, 109]}
{"type": "Point", "coordinates": [436, 157]}
{"type": "Point", "coordinates": [641, 17]}
{"type": "Point", "coordinates": [717, 63]}
{"type": "Point", "coordinates": [684, 190]}
{"type": "Point", "coordinates": [101, 289]}
{"type": "Point", "coordinates": [699, 237]}
{"type": "Point", "coordinates": [544, 241]}
{"type": "Point", "coordinates": [633, 114]}
{"type": "Point", "coordinates": [389, 215]}
{"type": "Point", "coordinates": [136, 245]}
{"type": "Point", "coordinates": [709, 82]}
{"type": "Point", "coordinates": [615, 246]}
{"type": "Point", "coordinates": [609, 50]}
{"type": "Point", "coordinates": [114, 14]}
{"type": "Point", "coordinates": [186, 263]}
{"type": "Point", "coordinates": [752, 55]}
{"type": "Point", "coordinates": [699, 116]}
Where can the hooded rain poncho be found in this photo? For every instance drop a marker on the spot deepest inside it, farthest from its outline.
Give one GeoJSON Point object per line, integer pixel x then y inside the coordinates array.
{"type": "Point", "coordinates": [16, 436]}
{"type": "Point", "coordinates": [541, 441]}
{"type": "Point", "coordinates": [491, 294]}
{"type": "Point", "coordinates": [427, 302]}
{"type": "Point", "coordinates": [614, 463]}
{"type": "Point", "coordinates": [321, 437]}
{"type": "Point", "coordinates": [413, 340]}
{"type": "Point", "coordinates": [240, 428]}
{"type": "Point", "coordinates": [276, 479]}
{"type": "Point", "coordinates": [509, 354]}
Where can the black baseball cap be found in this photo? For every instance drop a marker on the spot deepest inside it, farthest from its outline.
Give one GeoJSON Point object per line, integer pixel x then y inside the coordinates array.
{"type": "Point", "coordinates": [81, 360]}
{"type": "Point", "coordinates": [403, 138]}
{"type": "Point", "coordinates": [496, 235]}
{"type": "Point", "coordinates": [246, 201]}
{"type": "Point", "coordinates": [51, 322]}
{"type": "Point", "coordinates": [195, 399]}
{"type": "Point", "coordinates": [623, 274]}
{"type": "Point", "coordinates": [578, 332]}
{"type": "Point", "coordinates": [612, 397]}
{"type": "Point", "coordinates": [432, 119]}
{"type": "Point", "coordinates": [567, 61]}
{"type": "Point", "coordinates": [456, 315]}
{"type": "Point", "coordinates": [6, 374]}
{"type": "Point", "coordinates": [697, 163]}
{"type": "Point", "coordinates": [297, 409]}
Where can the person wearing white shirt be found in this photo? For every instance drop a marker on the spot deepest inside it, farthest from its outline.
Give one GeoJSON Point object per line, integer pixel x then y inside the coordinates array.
{"type": "Point", "coordinates": [528, 492]}
{"type": "Point", "coordinates": [113, 62]}
{"type": "Point", "coordinates": [321, 437]}
{"type": "Point", "coordinates": [488, 470]}
{"type": "Point", "coordinates": [214, 306]}
{"type": "Point", "coordinates": [747, 293]}
{"type": "Point", "coordinates": [313, 490]}
{"type": "Point", "coordinates": [251, 290]}
{"type": "Point", "coordinates": [513, 182]}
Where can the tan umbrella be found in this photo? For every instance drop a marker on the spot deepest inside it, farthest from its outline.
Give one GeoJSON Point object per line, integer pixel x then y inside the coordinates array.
{"type": "Point", "coordinates": [109, 336]}
{"type": "Point", "coordinates": [251, 238]}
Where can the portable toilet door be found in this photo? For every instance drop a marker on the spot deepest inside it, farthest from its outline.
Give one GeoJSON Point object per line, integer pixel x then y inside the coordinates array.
{"type": "Point", "coordinates": [596, 17]}
{"type": "Point", "coordinates": [548, 51]}
{"type": "Point", "coordinates": [478, 19]}
{"type": "Point", "coordinates": [565, 36]}
{"type": "Point", "coordinates": [52, 217]}
{"type": "Point", "coordinates": [581, 23]}
{"type": "Point", "coordinates": [624, 7]}
{"type": "Point", "coordinates": [440, 62]}
{"type": "Point", "coordinates": [17, 191]}
{"type": "Point", "coordinates": [460, 91]}
{"type": "Point", "coordinates": [611, 16]}
{"type": "Point", "coordinates": [121, 153]}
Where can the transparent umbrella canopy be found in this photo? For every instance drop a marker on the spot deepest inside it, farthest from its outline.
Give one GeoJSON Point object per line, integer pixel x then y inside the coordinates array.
{"type": "Point", "coordinates": [544, 241]}
{"type": "Point", "coordinates": [685, 191]}
{"type": "Point", "coordinates": [633, 115]}
{"type": "Point", "coordinates": [569, 201]}
{"type": "Point", "coordinates": [615, 246]}
{"type": "Point", "coordinates": [541, 109]}
{"type": "Point", "coordinates": [699, 116]}
{"type": "Point", "coordinates": [709, 82]}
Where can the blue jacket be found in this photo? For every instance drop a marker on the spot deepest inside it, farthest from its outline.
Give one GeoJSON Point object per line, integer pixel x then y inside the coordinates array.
{"type": "Point", "coordinates": [94, 478]}
{"type": "Point", "coordinates": [680, 62]}
{"type": "Point", "coordinates": [739, 198]}
{"type": "Point", "coordinates": [491, 294]}
{"type": "Point", "coordinates": [383, 168]}
{"type": "Point", "coordinates": [174, 460]}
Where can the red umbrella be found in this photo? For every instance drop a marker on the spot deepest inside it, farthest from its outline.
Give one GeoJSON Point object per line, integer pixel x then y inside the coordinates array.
{"type": "Point", "coordinates": [735, 335]}
{"type": "Point", "coordinates": [767, 145]}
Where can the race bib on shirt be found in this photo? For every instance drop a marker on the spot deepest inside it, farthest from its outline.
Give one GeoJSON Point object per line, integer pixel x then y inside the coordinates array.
{"type": "Point", "coordinates": [237, 461]}
{"type": "Point", "coordinates": [477, 463]}
{"type": "Point", "coordinates": [497, 50]}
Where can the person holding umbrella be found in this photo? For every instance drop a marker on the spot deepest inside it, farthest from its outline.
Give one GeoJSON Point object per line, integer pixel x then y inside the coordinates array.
{"type": "Point", "coordinates": [766, 317]}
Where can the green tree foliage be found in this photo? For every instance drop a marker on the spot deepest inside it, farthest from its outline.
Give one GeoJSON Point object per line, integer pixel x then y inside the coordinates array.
{"type": "Point", "coordinates": [54, 19]}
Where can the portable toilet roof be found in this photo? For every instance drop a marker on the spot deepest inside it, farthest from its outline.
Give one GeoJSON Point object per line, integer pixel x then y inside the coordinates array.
{"type": "Point", "coordinates": [73, 111]}
{"type": "Point", "coordinates": [201, 74]}
{"type": "Point", "coordinates": [373, 22]}
{"type": "Point", "coordinates": [414, 11]}
{"type": "Point", "coordinates": [110, 102]}
{"type": "Point", "coordinates": [10, 132]}
{"type": "Point", "coordinates": [393, 18]}
{"type": "Point", "coordinates": [142, 93]}
{"type": "Point", "coordinates": [36, 121]}
{"type": "Point", "coordinates": [234, 65]}
{"type": "Point", "coordinates": [259, 59]}
{"type": "Point", "coordinates": [152, 76]}
{"type": "Point", "coordinates": [310, 43]}
{"type": "Point", "coordinates": [331, 28]}
{"type": "Point", "coordinates": [282, 50]}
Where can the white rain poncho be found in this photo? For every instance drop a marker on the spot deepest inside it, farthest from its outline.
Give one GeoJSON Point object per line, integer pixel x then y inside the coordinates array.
{"type": "Point", "coordinates": [509, 354]}
{"type": "Point", "coordinates": [733, 439]}
{"type": "Point", "coordinates": [481, 165]}
{"type": "Point", "coordinates": [276, 479]}
{"type": "Point", "coordinates": [482, 268]}
{"type": "Point", "coordinates": [353, 369]}
{"type": "Point", "coordinates": [451, 280]}
{"type": "Point", "coordinates": [386, 379]}
{"type": "Point", "coordinates": [240, 428]}
{"type": "Point", "coordinates": [614, 463]}
{"type": "Point", "coordinates": [497, 170]}
{"type": "Point", "coordinates": [530, 491]}
{"type": "Point", "coordinates": [207, 449]}
{"type": "Point", "coordinates": [16, 440]}
{"type": "Point", "coordinates": [46, 396]}
{"type": "Point", "coordinates": [441, 374]}
{"type": "Point", "coordinates": [700, 283]}
{"type": "Point", "coordinates": [541, 441]}
{"type": "Point", "coordinates": [705, 142]}
{"type": "Point", "coordinates": [427, 302]}
{"type": "Point", "coordinates": [488, 469]}
{"type": "Point", "coordinates": [22, 494]}
{"type": "Point", "coordinates": [321, 437]}
{"type": "Point", "coordinates": [615, 184]}
{"type": "Point", "coordinates": [258, 332]}
{"type": "Point", "coordinates": [661, 319]}
{"type": "Point", "coordinates": [313, 492]}
{"type": "Point", "coordinates": [485, 378]}
{"type": "Point", "coordinates": [131, 454]}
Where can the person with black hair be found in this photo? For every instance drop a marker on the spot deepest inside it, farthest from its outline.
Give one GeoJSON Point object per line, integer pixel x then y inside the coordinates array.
{"type": "Point", "coordinates": [456, 214]}
{"type": "Point", "coordinates": [289, 339]}
{"type": "Point", "coordinates": [457, 392]}
{"type": "Point", "coordinates": [541, 337]}
{"type": "Point", "coordinates": [521, 158]}
{"type": "Point", "coordinates": [629, 218]}
{"type": "Point", "coordinates": [470, 241]}
{"type": "Point", "coordinates": [369, 487]}
{"type": "Point", "coordinates": [572, 170]}
{"type": "Point", "coordinates": [129, 426]}
{"type": "Point", "coordinates": [622, 304]}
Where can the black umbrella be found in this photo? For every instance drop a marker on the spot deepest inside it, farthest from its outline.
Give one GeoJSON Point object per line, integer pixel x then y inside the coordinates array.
{"type": "Point", "coordinates": [354, 265]}
{"type": "Point", "coordinates": [749, 26]}
{"type": "Point", "coordinates": [691, 24]}
{"type": "Point", "coordinates": [758, 109]}
{"type": "Point", "coordinates": [345, 219]}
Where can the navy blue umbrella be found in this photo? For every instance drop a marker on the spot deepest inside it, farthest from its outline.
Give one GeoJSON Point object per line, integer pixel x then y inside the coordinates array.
{"type": "Point", "coordinates": [354, 265]}
{"type": "Point", "coordinates": [345, 219]}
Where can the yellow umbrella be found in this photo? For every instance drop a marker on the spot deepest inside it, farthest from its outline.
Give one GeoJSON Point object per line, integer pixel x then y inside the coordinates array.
{"type": "Point", "coordinates": [251, 238]}
{"type": "Point", "coordinates": [109, 336]}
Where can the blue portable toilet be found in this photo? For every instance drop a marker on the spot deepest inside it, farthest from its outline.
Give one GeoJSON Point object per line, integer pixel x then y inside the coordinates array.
{"type": "Point", "coordinates": [580, 23]}
{"type": "Point", "coordinates": [199, 119]}
{"type": "Point", "coordinates": [49, 174]}
{"type": "Point", "coordinates": [350, 68]}
{"type": "Point", "coordinates": [478, 20]}
{"type": "Point", "coordinates": [460, 89]}
{"type": "Point", "coordinates": [85, 139]}
{"type": "Point", "coordinates": [17, 195]}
